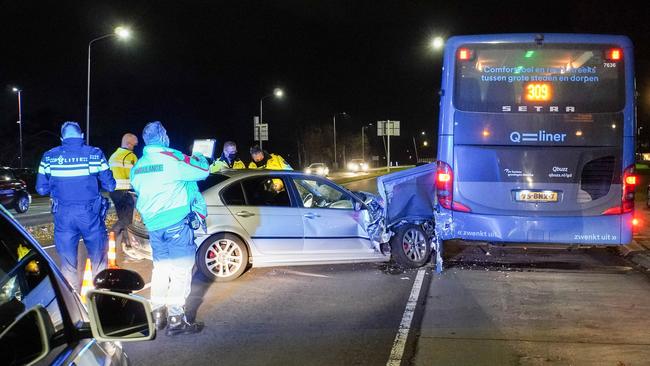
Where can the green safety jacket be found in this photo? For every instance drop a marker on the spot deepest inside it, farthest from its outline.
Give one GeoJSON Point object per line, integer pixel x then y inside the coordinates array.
{"type": "Point", "coordinates": [165, 181]}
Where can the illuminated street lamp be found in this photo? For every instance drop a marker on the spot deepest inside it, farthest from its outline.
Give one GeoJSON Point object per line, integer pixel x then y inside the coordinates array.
{"type": "Point", "coordinates": [437, 43]}
{"type": "Point", "coordinates": [20, 122]}
{"type": "Point", "coordinates": [121, 33]}
{"type": "Point", "coordinates": [278, 93]}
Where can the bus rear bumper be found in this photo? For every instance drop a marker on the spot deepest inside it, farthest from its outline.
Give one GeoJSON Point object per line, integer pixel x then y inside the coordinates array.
{"type": "Point", "coordinates": [589, 230]}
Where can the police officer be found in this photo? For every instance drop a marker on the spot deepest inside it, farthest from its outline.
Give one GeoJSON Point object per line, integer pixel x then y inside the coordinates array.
{"type": "Point", "coordinates": [228, 159]}
{"type": "Point", "coordinates": [263, 160]}
{"type": "Point", "coordinates": [165, 182]}
{"type": "Point", "coordinates": [72, 175]}
{"type": "Point", "coordinates": [121, 162]}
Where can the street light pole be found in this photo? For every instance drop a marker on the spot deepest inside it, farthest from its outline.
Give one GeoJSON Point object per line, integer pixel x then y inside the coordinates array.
{"type": "Point", "coordinates": [20, 123]}
{"type": "Point", "coordinates": [336, 166]}
{"type": "Point", "coordinates": [120, 32]}
{"type": "Point", "coordinates": [278, 93]}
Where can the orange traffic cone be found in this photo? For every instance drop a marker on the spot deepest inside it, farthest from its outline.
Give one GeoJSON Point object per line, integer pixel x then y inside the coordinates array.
{"type": "Point", "coordinates": [87, 283]}
{"type": "Point", "coordinates": [112, 256]}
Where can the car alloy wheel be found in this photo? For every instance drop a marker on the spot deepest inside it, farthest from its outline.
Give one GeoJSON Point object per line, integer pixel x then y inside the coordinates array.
{"type": "Point", "coordinates": [410, 247]}
{"type": "Point", "coordinates": [224, 258]}
{"type": "Point", "coordinates": [414, 245]}
{"type": "Point", "coordinates": [23, 204]}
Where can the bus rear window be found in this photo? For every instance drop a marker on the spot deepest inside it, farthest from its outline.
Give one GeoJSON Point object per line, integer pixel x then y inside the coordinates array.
{"type": "Point", "coordinates": [515, 78]}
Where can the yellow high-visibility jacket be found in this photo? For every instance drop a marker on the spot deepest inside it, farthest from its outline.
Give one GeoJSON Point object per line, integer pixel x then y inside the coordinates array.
{"type": "Point", "coordinates": [121, 163]}
{"type": "Point", "coordinates": [273, 162]}
{"type": "Point", "coordinates": [221, 163]}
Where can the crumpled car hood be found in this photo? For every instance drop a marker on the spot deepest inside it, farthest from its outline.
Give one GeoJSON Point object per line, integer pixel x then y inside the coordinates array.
{"type": "Point", "coordinates": [408, 194]}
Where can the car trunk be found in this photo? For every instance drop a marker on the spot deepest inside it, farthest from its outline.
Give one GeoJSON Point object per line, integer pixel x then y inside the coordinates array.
{"type": "Point", "coordinates": [408, 194]}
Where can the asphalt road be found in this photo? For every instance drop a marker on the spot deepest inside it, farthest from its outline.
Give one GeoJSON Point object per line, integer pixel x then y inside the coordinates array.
{"type": "Point", "coordinates": [536, 307]}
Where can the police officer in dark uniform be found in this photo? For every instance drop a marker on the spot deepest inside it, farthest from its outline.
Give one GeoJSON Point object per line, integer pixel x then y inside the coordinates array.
{"type": "Point", "coordinates": [72, 174]}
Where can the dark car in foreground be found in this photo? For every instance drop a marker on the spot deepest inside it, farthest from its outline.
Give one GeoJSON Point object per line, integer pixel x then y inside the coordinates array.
{"type": "Point", "coordinates": [13, 191]}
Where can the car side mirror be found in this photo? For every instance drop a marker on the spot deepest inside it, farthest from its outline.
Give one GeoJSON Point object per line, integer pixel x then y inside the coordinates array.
{"type": "Point", "coordinates": [27, 340]}
{"type": "Point", "coordinates": [119, 280]}
{"type": "Point", "coordinates": [116, 316]}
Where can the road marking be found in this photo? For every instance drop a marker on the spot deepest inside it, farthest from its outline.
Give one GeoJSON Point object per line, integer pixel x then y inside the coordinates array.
{"type": "Point", "coordinates": [399, 343]}
{"type": "Point", "coordinates": [306, 274]}
{"type": "Point", "coordinates": [49, 247]}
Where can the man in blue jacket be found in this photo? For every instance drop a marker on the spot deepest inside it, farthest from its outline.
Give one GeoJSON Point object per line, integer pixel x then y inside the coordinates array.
{"type": "Point", "coordinates": [72, 175]}
{"type": "Point", "coordinates": [168, 196]}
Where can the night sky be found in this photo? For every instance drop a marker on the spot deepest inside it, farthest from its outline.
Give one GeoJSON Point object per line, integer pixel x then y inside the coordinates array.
{"type": "Point", "coordinates": [201, 67]}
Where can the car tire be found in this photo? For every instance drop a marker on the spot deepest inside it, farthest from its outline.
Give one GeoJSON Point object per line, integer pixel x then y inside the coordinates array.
{"type": "Point", "coordinates": [410, 247]}
{"type": "Point", "coordinates": [22, 204]}
{"type": "Point", "coordinates": [213, 257]}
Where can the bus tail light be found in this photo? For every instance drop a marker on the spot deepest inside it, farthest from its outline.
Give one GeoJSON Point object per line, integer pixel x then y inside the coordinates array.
{"type": "Point", "coordinates": [445, 186]}
{"type": "Point", "coordinates": [465, 54]}
{"type": "Point", "coordinates": [614, 54]}
{"type": "Point", "coordinates": [627, 201]}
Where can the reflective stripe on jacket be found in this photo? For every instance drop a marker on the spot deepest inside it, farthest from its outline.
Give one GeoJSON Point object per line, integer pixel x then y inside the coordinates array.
{"type": "Point", "coordinates": [71, 172]}
{"type": "Point", "coordinates": [165, 181]}
{"type": "Point", "coordinates": [272, 162]}
{"type": "Point", "coordinates": [121, 163]}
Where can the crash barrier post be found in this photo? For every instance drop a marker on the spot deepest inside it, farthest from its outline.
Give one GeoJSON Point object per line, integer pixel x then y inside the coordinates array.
{"type": "Point", "coordinates": [87, 283]}
{"type": "Point", "coordinates": [112, 255]}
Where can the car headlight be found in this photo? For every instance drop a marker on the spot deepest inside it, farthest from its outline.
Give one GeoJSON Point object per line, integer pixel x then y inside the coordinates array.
{"type": "Point", "coordinates": [308, 171]}
{"type": "Point", "coordinates": [351, 166]}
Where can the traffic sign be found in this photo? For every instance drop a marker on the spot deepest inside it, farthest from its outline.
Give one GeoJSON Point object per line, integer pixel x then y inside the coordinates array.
{"type": "Point", "coordinates": [388, 128]}
{"type": "Point", "coordinates": [263, 130]}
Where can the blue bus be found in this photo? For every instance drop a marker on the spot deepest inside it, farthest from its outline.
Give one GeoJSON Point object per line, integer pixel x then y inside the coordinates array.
{"type": "Point", "coordinates": [536, 139]}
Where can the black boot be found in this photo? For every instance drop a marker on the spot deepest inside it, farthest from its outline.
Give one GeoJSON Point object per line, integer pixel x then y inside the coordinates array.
{"type": "Point", "coordinates": [178, 324]}
{"type": "Point", "coordinates": [160, 317]}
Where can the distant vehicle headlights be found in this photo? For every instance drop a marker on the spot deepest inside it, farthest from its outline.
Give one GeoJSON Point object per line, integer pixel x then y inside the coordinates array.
{"type": "Point", "coordinates": [308, 171]}
{"type": "Point", "coordinates": [353, 167]}
{"type": "Point", "coordinates": [364, 166]}
{"type": "Point", "coordinates": [320, 171]}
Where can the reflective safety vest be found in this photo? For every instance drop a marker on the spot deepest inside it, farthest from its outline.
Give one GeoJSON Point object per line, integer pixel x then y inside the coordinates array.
{"type": "Point", "coordinates": [272, 162]}
{"type": "Point", "coordinates": [121, 163]}
{"type": "Point", "coordinates": [221, 163]}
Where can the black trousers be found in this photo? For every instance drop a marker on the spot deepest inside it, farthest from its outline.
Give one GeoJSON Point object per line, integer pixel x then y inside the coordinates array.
{"type": "Point", "coordinates": [124, 205]}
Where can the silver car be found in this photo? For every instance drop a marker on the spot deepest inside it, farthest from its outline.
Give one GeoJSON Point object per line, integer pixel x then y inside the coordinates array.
{"type": "Point", "coordinates": [264, 218]}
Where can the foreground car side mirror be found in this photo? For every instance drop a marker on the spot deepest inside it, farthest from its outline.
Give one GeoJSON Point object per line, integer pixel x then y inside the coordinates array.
{"type": "Point", "coordinates": [116, 316]}
{"type": "Point", "coordinates": [119, 280]}
{"type": "Point", "coordinates": [27, 340]}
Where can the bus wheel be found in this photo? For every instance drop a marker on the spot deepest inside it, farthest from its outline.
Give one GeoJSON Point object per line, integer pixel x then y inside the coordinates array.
{"type": "Point", "coordinates": [410, 247]}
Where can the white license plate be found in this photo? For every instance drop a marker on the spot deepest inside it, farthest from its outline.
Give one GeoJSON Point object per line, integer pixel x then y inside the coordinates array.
{"type": "Point", "coordinates": [536, 196]}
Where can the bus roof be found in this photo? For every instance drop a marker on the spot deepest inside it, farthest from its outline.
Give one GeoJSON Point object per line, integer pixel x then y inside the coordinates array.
{"type": "Point", "coordinates": [621, 40]}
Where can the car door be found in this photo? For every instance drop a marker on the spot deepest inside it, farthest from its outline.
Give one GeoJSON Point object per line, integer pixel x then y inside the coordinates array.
{"type": "Point", "coordinates": [333, 228]}
{"type": "Point", "coordinates": [267, 214]}
{"type": "Point", "coordinates": [28, 279]}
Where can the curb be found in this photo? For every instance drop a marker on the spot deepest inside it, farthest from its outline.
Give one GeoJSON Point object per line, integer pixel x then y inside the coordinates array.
{"type": "Point", "coordinates": [636, 253]}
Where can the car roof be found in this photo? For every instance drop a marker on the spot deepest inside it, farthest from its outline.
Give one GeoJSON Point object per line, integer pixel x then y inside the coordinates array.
{"type": "Point", "coordinates": [238, 173]}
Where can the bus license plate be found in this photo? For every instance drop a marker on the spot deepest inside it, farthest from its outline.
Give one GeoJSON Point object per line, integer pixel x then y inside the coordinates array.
{"type": "Point", "coordinates": [536, 196]}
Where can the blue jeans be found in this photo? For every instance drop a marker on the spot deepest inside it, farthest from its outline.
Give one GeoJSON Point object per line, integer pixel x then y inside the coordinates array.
{"type": "Point", "coordinates": [173, 252]}
{"type": "Point", "coordinates": [75, 221]}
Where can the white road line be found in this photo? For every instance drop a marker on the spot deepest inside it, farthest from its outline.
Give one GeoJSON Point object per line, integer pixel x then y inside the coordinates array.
{"type": "Point", "coordinates": [397, 352]}
{"type": "Point", "coordinates": [306, 274]}
{"type": "Point", "coordinates": [49, 247]}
